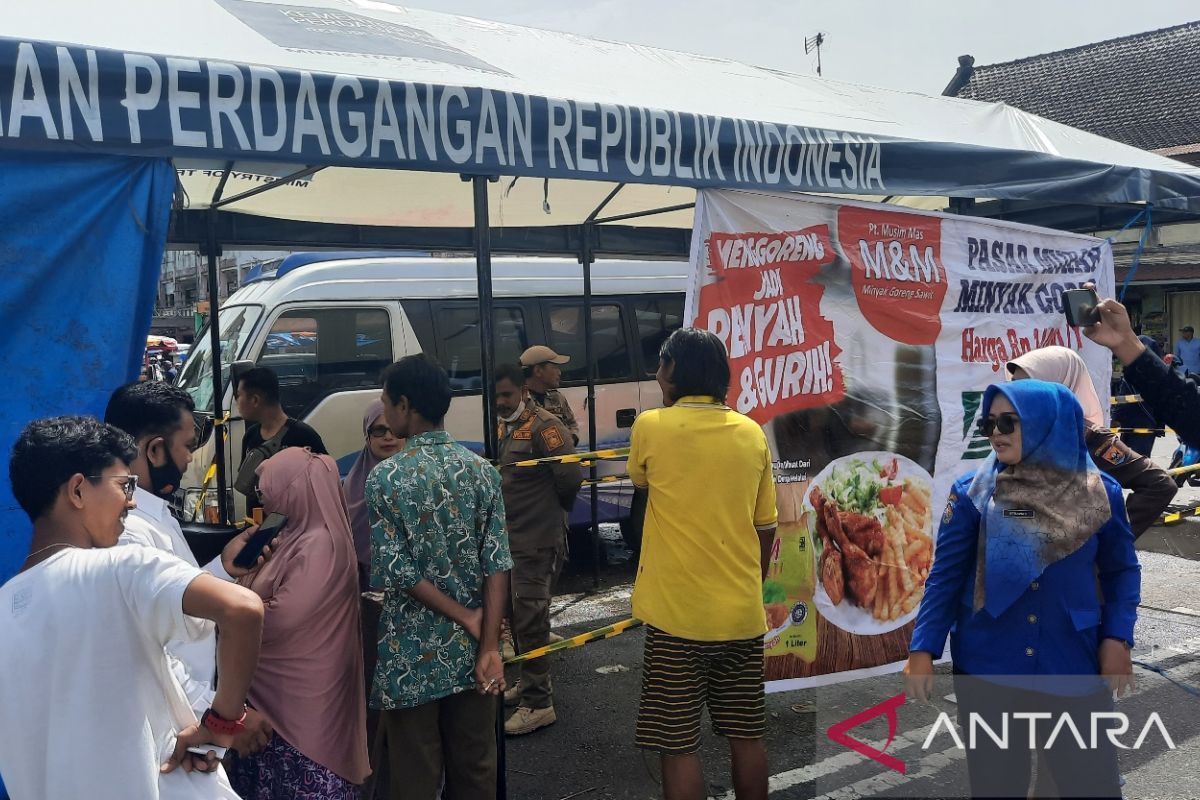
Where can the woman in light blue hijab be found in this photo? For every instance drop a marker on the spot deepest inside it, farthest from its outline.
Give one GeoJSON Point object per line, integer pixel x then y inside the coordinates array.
{"type": "Point", "coordinates": [1022, 543]}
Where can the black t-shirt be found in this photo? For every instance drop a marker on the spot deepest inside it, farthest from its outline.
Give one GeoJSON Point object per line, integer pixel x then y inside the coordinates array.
{"type": "Point", "coordinates": [298, 435]}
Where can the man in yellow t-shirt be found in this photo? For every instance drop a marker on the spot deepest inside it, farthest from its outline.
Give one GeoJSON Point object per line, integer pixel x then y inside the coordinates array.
{"type": "Point", "coordinates": [710, 524]}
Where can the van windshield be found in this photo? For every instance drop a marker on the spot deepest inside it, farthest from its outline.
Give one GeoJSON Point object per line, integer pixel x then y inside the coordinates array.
{"type": "Point", "coordinates": [237, 324]}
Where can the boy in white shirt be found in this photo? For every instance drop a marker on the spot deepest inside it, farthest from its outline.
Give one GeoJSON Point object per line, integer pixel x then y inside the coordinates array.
{"type": "Point", "coordinates": [88, 704]}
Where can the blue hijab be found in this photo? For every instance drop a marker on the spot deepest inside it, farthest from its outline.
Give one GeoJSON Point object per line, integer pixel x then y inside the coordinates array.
{"type": "Point", "coordinates": [1041, 509]}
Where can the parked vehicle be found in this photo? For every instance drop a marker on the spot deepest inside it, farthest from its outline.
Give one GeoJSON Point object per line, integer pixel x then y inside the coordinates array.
{"type": "Point", "coordinates": [329, 323]}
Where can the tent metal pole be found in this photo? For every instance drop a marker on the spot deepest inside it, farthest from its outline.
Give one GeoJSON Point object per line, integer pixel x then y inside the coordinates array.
{"type": "Point", "coordinates": [604, 203]}
{"type": "Point", "coordinates": [586, 258]}
{"type": "Point", "coordinates": [487, 368]}
{"type": "Point", "coordinates": [649, 213]}
{"type": "Point", "coordinates": [266, 187]}
{"type": "Point", "coordinates": [213, 251]}
{"type": "Point", "coordinates": [487, 342]}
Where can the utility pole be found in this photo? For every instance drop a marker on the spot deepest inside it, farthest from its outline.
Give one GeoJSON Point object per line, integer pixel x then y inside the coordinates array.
{"type": "Point", "coordinates": [814, 43]}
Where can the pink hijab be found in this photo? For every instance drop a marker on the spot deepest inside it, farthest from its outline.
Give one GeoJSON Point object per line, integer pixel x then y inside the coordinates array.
{"type": "Point", "coordinates": [309, 682]}
{"type": "Point", "coordinates": [355, 485]}
{"type": "Point", "coordinates": [1062, 365]}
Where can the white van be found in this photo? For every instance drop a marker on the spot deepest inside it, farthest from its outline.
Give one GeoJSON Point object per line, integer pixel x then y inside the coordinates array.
{"type": "Point", "coordinates": [329, 323]}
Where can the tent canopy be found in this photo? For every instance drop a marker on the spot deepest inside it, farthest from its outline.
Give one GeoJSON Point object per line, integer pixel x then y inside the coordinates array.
{"type": "Point", "coordinates": [271, 87]}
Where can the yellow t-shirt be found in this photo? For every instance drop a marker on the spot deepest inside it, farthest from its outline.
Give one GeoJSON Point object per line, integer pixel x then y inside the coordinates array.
{"type": "Point", "coordinates": [708, 471]}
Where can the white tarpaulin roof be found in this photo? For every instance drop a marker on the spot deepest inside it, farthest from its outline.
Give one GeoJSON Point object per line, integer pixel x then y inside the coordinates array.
{"type": "Point", "coordinates": [274, 86]}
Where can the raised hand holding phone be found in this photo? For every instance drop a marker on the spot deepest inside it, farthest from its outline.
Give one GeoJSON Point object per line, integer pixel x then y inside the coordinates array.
{"type": "Point", "coordinates": [1081, 306]}
{"type": "Point", "coordinates": [255, 545]}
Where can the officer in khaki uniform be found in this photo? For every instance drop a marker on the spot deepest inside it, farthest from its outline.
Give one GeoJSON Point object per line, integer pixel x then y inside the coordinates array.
{"type": "Point", "coordinates": [543, 375]}
{"type": "Point", "coordinates": [536, 501]}
{"type": "Point", "coordinates": [1151, 488]}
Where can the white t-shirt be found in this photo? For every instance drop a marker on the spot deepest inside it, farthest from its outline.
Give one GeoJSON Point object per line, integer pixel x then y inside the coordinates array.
{"type": "Point", "coordinates": [194, 660]}
{"type": "Point", "coordinates": [88, 704]}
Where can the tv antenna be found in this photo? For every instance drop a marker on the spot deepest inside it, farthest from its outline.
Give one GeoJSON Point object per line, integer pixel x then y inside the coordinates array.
{"type": "Point", "coordinates": [814, 43]}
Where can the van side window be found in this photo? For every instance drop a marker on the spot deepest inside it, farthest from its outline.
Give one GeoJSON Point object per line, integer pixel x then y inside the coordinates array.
{"type": "Point", "coordinates": [316, 352]}
{"type": "Point", "coordinates": [566, 331]}
{"type": "Point", "coordinates": [656, 319]}
{"type": "Point", "coordinates": [458, 336]}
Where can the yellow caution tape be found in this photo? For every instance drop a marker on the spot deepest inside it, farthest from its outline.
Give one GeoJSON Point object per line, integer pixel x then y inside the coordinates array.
{"type": "Point", "coordinates": [1123, 399]}
{"type": "Point", "coordinates": [607, 632]}
{"type": "Point", "coordinates": [1183, 470]}
{"type": "Point", "coordinates": [221, 425]}
{"type": "Point", "coordinates": [605, 479]}
{"type": "Point", "coordinates": [1176, 516]}
{"type": "Point", "coordinates": [573, 458]}
{"type": "Point", "coordinates": [1139, 430]}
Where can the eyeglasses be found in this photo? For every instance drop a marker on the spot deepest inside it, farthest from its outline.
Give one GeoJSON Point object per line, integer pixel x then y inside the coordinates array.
{"type": "Point", "coordinates": [379, 431]}
{"type": "Point", "coordinates": [1004, 423]}
{"type": "Point", "coordinates": [128, 482]}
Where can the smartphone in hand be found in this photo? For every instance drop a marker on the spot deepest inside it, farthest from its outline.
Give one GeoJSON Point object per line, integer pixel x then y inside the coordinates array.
{"type": "Point", "coordinates": [203, 750]}
{"type": "Point", "coordinates": [269, 529]}
{"type": "Point", "coordinates": [1081, 307]}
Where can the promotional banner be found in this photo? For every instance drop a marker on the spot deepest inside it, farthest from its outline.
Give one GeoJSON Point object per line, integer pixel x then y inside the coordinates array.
{"type": "Point", "coordinates": [862, 338]}
{"type": "Point", "coordinates": [360, 83]}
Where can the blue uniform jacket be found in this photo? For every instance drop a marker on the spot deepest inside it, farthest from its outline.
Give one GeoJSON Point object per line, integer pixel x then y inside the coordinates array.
{"type": "Point", "coordinates": [1056, 626]}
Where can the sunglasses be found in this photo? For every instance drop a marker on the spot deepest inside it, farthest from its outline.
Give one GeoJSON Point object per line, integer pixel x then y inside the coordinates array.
{"type": "Point", "coordinates": [379, 431]}
{"type": "Point", "coordinates": [1004, 423]}
{"type": "Point", "coordinates": [128, 482]}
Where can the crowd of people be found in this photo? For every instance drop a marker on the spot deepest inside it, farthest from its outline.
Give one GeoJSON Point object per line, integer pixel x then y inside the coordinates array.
{"type": "Point", "coordinates": [360, 654]}
{"type": "Point", "coordinates": [159, 367]}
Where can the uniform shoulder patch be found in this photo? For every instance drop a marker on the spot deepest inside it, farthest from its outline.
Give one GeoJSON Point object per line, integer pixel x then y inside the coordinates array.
{"type": "Point", "coordinates": [1114, 455]}
{"type": "Point", "coordinates": [948, 514]}
{"type": "Point", "coordinates": [552, 438]}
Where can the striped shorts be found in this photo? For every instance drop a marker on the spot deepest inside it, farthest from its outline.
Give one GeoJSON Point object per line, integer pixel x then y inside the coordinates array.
{"type": "Point", "coordinates": [681, 676]}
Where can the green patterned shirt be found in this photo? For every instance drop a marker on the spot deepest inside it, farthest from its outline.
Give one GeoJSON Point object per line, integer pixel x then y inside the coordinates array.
{"type": "Point", "coordinates": [437, 514]}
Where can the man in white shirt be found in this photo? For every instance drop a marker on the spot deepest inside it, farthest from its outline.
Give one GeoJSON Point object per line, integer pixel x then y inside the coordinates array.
{"type": "Point", "coordinates": [88, 704]}
{"type": "Point", "coordinates": [160, 419]}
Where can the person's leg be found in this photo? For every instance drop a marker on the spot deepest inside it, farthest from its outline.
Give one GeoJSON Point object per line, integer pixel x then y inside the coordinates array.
{"type": "Point", "coordinates": [531, 585]}
{"type": "Point", "coordinates": [414, 751]}
{"type": "Point", "coordinates": [737, 705]}
{"type": "Point", "coordinates": [668, 720]}
{"type": "Point", "coordinates": [1082, 772]}
{"type": "Point", "coordinates": [993, 771]}
{"type": "Point", "coordinates": [749, 768]}
{"type": "Point", "coordinates": [682, 777]}
{"type": "Point", "coordinates": [468, 724]}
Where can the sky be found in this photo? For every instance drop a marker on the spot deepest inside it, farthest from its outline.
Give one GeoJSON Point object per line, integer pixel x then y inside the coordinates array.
{"type": "Point", "coordinates": [907, 44]}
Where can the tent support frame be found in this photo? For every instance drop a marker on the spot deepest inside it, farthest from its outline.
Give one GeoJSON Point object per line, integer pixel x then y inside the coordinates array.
{"type": "Point", "coordinates": [587, 257]}
{"type": "Point", "coordinates": [212, 249]}
{"type": "Point", "coordinates": [483, 278]}
{"type": "Point", "coordinates": [266, 187]}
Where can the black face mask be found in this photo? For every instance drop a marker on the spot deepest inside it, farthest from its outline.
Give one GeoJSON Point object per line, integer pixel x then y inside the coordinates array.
{"type": "Point", "coordinates": [164, 480]}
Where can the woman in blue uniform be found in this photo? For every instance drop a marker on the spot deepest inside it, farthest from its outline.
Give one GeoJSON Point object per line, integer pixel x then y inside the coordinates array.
{"type": "Point", "coordinates": [1036, 571]}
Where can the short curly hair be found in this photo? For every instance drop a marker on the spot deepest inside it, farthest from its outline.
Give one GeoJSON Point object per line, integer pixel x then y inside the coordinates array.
{"type": "Point", "coordinates": [50, 451]}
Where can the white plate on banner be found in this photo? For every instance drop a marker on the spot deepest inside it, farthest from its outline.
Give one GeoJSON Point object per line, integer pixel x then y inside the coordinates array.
{"type": "Point", "coordinates": [848, 615]}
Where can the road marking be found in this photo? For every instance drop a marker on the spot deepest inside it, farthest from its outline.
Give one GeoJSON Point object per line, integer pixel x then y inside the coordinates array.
{"type": "Point", "coordinates": [932, 762]}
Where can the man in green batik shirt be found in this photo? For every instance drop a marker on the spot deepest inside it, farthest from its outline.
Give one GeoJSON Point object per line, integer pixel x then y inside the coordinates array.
{"type": "Point", "coordinates": [440, 552]}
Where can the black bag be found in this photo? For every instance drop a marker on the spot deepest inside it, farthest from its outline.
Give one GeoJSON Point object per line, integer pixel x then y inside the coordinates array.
{"type": "Point", "coordinates": [247, 477]}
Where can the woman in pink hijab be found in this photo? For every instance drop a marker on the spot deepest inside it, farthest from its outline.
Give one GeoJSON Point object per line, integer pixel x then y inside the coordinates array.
{"type": "Point", "coordinates": [1152, 488]}
{"type": "Point", "coordinates": [309, 682]}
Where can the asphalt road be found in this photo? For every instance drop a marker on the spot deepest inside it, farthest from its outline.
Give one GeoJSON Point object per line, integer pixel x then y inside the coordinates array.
{"type": "Point", "coordinates": [589, 754]}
